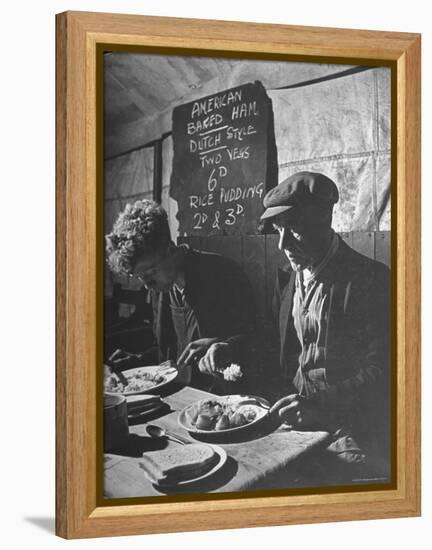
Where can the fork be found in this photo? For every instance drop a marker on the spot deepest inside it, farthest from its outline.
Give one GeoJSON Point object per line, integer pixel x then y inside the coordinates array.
{"type": "Point", "coordinates": [167, 367]}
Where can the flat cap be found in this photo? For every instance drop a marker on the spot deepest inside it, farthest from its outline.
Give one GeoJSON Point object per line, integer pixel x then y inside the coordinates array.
{"type": "Point", "coordinates": [300, 190]}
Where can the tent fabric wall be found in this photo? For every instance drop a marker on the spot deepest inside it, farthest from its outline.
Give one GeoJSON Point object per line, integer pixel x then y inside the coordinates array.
{"type": "Point", "coordinates": [127, 178]}
{"type": "Point", "coordinates": [341, 127]}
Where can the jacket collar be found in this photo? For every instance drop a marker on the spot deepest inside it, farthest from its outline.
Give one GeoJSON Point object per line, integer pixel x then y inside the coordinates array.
{"type": "Point", "coordinates": [335, 269]}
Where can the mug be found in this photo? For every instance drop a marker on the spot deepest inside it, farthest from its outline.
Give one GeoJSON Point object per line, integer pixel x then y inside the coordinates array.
{"type": "Point", "coordinates": [116, 428]}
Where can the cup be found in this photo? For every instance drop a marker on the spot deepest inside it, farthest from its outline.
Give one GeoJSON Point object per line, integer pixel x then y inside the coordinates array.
{"type": "Point", "coordinates": [116, 428]}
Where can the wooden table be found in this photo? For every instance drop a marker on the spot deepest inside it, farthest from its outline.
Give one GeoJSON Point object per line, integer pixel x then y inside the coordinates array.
{"type": "Point", "coordinates": [254, 459]}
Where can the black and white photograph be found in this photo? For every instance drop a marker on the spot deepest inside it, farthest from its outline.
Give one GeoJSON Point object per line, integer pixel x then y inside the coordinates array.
{"type": "Point", "coordinates": [247, 275]}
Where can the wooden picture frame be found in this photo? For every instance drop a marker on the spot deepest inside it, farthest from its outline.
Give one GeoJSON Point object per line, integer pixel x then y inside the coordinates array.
{"type": "Point", "coordinates": [79, 253]}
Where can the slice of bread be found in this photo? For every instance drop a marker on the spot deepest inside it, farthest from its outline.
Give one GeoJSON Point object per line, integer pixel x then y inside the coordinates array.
{"type": "Point", "coordinates": [177, 464]}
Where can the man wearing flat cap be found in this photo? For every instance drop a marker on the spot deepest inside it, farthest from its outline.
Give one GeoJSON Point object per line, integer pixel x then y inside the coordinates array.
{"type": "Point", "coordinates": [333, 311]}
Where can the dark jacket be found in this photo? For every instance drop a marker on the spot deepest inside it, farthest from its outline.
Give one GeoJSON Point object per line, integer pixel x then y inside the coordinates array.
{"type": "Point", "coordinates": [358, 361]}
{"type": "Point", "coordinates": [220, 294]}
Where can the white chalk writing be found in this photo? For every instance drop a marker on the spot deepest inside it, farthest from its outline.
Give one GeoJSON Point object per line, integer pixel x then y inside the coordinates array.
{"type": "Point", "coordinates": [209, 122]}
{"type": "Point", "coordinates": [244, 110]}
{"type": "Point", "coordinates": [208, 105]}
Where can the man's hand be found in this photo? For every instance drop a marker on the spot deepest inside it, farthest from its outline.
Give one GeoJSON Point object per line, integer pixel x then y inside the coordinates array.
{"type": "Point", "coordinates": [122, 360]}
{"type": "Point", "coordinates": [217, 358]}
{"type": "Point", "coordinates": [194, 351]}
{"type": "Point", "coordinates": [298, 412]}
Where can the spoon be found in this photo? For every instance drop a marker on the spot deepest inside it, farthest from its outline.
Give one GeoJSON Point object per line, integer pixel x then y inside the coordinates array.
{"type": "Point", "coordinates": [157, 431]}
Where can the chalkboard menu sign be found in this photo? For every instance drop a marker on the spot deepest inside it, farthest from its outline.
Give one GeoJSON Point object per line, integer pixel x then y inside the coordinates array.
{"type": "Point", "coordinates": [224, 161]}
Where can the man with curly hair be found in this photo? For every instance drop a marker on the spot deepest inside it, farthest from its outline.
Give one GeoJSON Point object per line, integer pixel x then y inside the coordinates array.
{"type": "Point", "coordinates": [203, 307]}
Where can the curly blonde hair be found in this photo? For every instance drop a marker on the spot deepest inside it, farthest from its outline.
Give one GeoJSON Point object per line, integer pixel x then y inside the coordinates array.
{"type": "Point", "coordinates": [142, 228]}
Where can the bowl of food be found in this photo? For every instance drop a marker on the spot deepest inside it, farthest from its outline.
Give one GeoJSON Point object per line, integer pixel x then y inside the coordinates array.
{"type": "Point", "coordinates": [140, 380]}
{"type": "Point", "coordinates": [223, 414]}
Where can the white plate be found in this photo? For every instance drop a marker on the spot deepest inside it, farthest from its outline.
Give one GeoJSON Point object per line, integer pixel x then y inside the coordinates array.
{"type": "Point", "coordinates": [222, 459]}
{"type": "Point", "coordinates": [170, 375]}
{"type": "Point", "coordinates": [261, 404]}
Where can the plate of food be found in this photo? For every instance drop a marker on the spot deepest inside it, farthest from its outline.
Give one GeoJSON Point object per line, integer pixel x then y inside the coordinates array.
{"type": "Point", "coordinates": [223, 414]}
{"type": "Point", "coordinates": [140, 380]}
{"type": "Point", "coordinates": [182, 465]}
